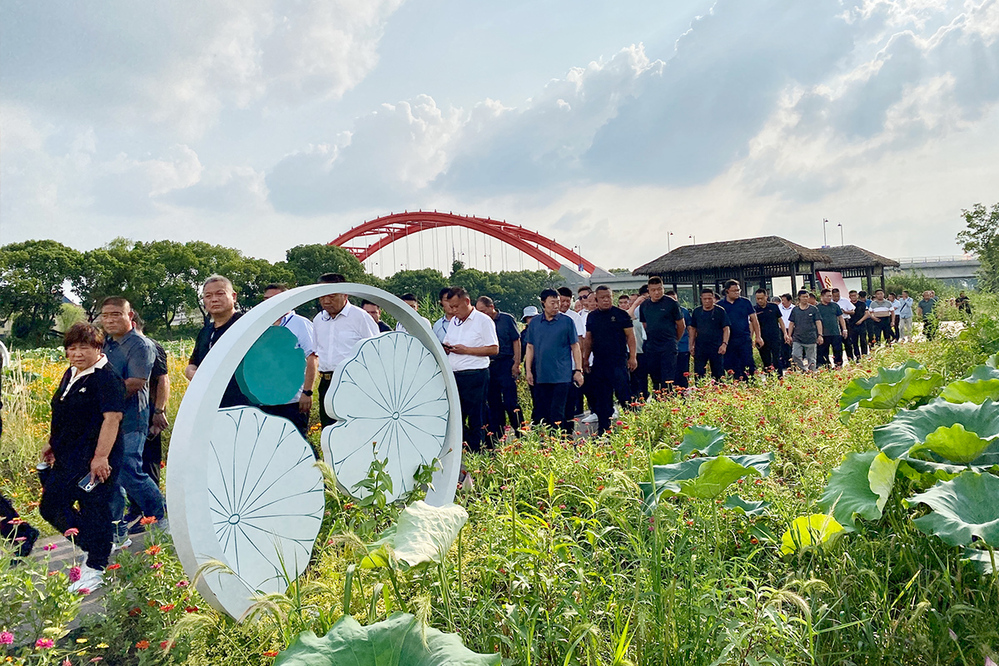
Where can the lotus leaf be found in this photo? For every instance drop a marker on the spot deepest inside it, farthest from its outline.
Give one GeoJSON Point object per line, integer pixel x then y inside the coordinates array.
{"type": "Point", "coordinates": [805, 530]}
{"type": "Point", "coordinates": [963, 508]}
{"type": "Point", "coordinates": [668, 478]}
{"type": "Point", "coordinates": [891, 387]}
{"type": "Point", "coordinates": [849, 492]}
{"type": "Point", "coordinates": [993, 361]}
{"type": "Point", "coordinates": [663, 456]}
{"type": "Point", "coordinates": [423, 534]}
{"type": "Point", "coordinates": [984, 560]}
{"type": "Point", "coordinates": [911, 427]}
{"type": "Point", "coordinates": [954, 443]}
{"type": "Point", "coordinates": [705, 440]}
{"type": "Point", "coordinates": [882, 478]}
{"type": "Point", "coordinates": [982, 384]}
{"type": "Point", "coordinates": [740, 505]}
{"type": "Point", "coordinates": [399, 639]}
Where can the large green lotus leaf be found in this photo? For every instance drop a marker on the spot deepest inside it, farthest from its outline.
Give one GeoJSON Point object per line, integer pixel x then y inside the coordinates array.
{"type": "Point", "coordinates": [993, 361]}
{"type": "Point", "coordinates": [954, 443]}
{"type": "Point", "coordinates": [706, 440]}
{"type": "Point", "coordinates": [848, 492]}
{"type": "Point", "coordinates": [740, 505]}
{"type": "Point", "coordinates": [963, 508]}
{"type": "Point", "coordinates": [808, 530]}
{"type": "Point", "coordinates": [423, 534]}
{"type": "Point", "coordinates": [667, 478]}
{"type": "Point", "coordinates": [889, 388]}
{"type": "Point", "coordinates": [714, 476]}
{"type": "Point", "coordinates": [981, 385]}
{"type": "Point", "coordinates": [882, 478]}
{"type": "Point", "coordinates": [911, 427]}
{"type": "Point", "coordinates": [272, 371]}
{"type": "Point", "coordinates": [399, 640]}
{"type": "Point", "coordinates": [982, 559]}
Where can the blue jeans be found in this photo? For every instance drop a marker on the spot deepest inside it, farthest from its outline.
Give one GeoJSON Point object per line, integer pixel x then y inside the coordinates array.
{"type": "Point", "coordinates": [135, 482]}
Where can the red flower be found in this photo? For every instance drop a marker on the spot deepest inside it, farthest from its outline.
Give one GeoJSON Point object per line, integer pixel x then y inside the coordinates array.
{"type": "Point", "coordinates": [112, 567]}
{"type": "Point", "coordinates": [152, 550]}
{"type": "Point", "coordinates": [166, 645]}
{"type": "Point", "coordinates": [191, 609]}
{"type": "Point", "coordinates": [143, 644]}
{"type": "Point", "coordinates": [271, 653]}
{"type": "Point", "coordinates": [147, 520]}
{"type": "Point", "coordinates": [167, 608]}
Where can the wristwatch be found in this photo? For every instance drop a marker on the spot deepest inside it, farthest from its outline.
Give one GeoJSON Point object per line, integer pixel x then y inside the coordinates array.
{"type": "Point", "coordinates": [308, 393]}
{"type": "Point", "coordinates": [159, 411]}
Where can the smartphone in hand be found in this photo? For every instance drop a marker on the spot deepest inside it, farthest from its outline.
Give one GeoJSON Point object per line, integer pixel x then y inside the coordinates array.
{"type": "Point", "coordinates": [88, 482]}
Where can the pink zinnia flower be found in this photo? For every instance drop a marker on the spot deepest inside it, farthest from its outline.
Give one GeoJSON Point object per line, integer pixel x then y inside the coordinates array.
{"type": "Point", "coordinates": [49, 546]}
{"type": "Point", "coordinates": [44, 643]}
{"type": "Point", "coordinates": [74, 574]}
{"type": "Point", "coordinates": [182, 583]}
{"type": "Point", "coordinates": [83, 591]}
{"type": "Point", "coordinates": [71, 532]}
{"type": "Point", "coordinates": [6, 638]}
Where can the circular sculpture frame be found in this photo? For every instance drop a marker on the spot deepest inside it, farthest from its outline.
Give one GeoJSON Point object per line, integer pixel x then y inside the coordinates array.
{"type": "Point", "coordinates": [188, 496]}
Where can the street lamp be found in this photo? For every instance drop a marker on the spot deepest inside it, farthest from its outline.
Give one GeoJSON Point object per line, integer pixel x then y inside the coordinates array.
{"type": "Point", "coordinates": [668, 234]}
{"type": "Point", "coordinates": [825, 243]}
{"type": "Point", "coordinates": [693, 238]}
{"type": "Point", "coordinates": [840, 225]}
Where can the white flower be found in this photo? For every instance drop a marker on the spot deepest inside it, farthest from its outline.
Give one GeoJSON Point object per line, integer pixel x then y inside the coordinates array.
{"type": "Point", "coordinates": [391, 397]}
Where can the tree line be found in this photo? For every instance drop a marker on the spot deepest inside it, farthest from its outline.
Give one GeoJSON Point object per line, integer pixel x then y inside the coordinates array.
{"type": "Point", "coordinates": [162, 279]}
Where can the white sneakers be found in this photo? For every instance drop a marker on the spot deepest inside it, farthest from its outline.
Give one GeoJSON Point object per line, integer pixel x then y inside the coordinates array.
{"type": "Point", "coordinates": [90, 579]}
{"type": "Point", "coordinates": [120, 542]}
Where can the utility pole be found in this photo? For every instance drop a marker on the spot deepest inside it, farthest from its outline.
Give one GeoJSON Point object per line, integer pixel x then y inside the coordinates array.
{"type": "Point", "coordinates": [825, 242]}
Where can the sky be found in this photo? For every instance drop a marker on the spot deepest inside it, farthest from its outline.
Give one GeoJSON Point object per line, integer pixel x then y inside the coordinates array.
{"type": "Point", "coordinates": [265, 124]}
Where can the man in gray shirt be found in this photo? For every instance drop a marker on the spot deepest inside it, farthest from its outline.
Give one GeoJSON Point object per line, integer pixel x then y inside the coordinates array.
{"type": "Point", "coordinates": [925, 311]}
{"type": "Point", "coordinates": [804, 333]}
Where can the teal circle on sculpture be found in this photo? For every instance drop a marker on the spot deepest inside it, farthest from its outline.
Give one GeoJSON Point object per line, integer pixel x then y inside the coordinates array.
{"type": "Point", "coordinates": [273, 370]}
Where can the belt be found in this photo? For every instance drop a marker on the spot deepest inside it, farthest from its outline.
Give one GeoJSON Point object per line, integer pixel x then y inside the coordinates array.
{"type": "Point", "coordinates": [326, 375]}
{"type": "Point", "coordinates": [469, 372]}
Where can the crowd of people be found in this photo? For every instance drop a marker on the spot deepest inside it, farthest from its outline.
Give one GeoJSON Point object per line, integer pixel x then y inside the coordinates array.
{"type": "Point", "coordinates": [580, 353]}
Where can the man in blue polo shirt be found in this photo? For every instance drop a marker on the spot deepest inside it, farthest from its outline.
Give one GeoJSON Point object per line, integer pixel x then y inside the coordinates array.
{"type": "Point", "coordinates": [132, 355]}
{"type": "Point", "coordinates": [553, 362]}
{"type": "Point", "coordinates": [504, 368]}
{"type": "Point", "coordinates": [744, 331]}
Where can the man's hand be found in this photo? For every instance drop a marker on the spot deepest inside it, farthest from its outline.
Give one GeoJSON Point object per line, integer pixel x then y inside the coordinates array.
{"type": "Point", "coordinates": [723, 348]}
{"type": "Point", "coordinates": [758, 342]}
{"type": "Point", "coordinates": [305, 403]}
{"type": "Point", "coordinates": [460, 349]}
{"type": "Point", "coordinates": [787, 338]}
{"type": "Point", "coordinates": [515, 371]}
{"type": "Point", "coordinates": [632, 364]}
{"type": "Point", "coordinates": [47, 454]}
{"type": "Point", "coordinates": [100, 468]}
{"type": "Point", "coordinates": [159, 423]}
{"type": "Point", "coordinates": [819, 340]}
{"type": "Point", "coordinates": [530, 378]}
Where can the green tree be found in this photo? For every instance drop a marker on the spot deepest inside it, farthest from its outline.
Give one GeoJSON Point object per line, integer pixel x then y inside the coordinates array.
{"type": "Point", "coordinates": [982, 237]}
{"type": "Point", "coordinates": [251, 275]}
{"type": "Point", "coordinates": [308, 262]}
{"type": "Point", "coordinates": [423, 282]}
{"type": "Point", "coordinates": [32, 275]}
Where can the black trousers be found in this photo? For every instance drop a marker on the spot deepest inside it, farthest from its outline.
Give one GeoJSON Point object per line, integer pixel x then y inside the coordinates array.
{"type": "Point", "coordinates": [702, 357]}
{"type": "Point", "coordinates": [549, 405]}
{"type": "Point", "coordinates": [92, 518]}
{"type": "Point", "coordinates": [856, 343]}
{"type": "Point", "coordinates": [291, 412]}
{"type": "Point", "coordinates": [605, 380]}
{"type": "Point", "coordinates": [640, 378]}
{"type": "Point", "coordinates": [772, 355]}
{"type": "Point", "coordinates": [739, 357]}
{"type": "Point", "coordinates": [502, 398]}
{"type": "Point", "coordinates": [473, 386]}
{"type": "Point", "coordinates": [822, 351]}
{"type": "Point", "coordinates": [930, 326]}
{"type": "Point", "coordinates": [325, 379]}
{"type": "Point", "coordinates": [682, 376]}
{"type": "Point", "coordinates": [662, 368]}
{"type": "Point", "coordinates": [882, 330]}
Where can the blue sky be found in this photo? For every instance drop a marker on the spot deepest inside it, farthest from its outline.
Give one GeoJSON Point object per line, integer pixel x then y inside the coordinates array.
{"type": "Point", "coordinates": [263, 124]}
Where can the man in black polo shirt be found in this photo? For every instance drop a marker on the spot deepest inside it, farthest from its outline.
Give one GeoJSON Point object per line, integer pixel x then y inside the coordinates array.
{"type": "Point", "coordinates": [772, 331]}
{"type": "Point", "coordinates": [709, 331]}
{"type": "Point", "coordinates": [611, 339]}
{"type": "Point", "coordinates": [664, 326]}
{"type": "Point", "coordinates": [504, 368]}
{"type": "Point", "coordinates": [220, 303]}
{"type": "Point", "coordinates": [744, 332]}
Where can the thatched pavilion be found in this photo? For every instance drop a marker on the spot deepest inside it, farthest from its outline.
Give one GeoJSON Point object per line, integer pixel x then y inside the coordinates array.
{"type": "Point", "coordinates": [752, 261]}
{"type": "Point", "coordinates": [856, 262]}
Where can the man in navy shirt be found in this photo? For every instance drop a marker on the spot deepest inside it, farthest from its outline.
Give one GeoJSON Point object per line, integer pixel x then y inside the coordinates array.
{"type": "Point", "coordinates": [504, 368]}
{"type": "Point", "coordinates": [664, 326]}
{"type": "Point", "coordinates": [709, 333]}
{"type": "Point", "coordinates": [553, 362]}
{"type": "Point", "coordinates": [611, 338]}
{"type": "Point", "coordinates": [772, 332]}
{"type": "Point", "coordinates": [681, 379]}
{"type": "Point", "coordinates": [745, 331]}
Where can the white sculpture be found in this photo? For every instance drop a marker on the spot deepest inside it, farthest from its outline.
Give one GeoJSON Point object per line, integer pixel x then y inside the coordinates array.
{"type": "Point", "coordinates": [195, 485]}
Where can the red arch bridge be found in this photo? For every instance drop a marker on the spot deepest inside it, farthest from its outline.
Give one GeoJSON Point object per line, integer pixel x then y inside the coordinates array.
{"type": "Point", "coordinates": [366, 239]}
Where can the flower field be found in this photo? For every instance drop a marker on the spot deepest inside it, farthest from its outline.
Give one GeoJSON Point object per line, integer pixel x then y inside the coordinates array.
{"type": "Point", "coordinates": [583, 553]}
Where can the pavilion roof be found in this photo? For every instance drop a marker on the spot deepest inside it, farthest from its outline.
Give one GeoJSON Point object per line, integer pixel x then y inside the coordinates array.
{"type": "Point", "coordinates": [852, 256]}
{"type": "Point", "coordinates": [765, 250]}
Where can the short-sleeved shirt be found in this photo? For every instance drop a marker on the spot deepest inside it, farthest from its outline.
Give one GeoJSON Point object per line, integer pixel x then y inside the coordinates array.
{"type": "Point", "coordinates": [859, 310]}
{"type": "Point", "coordinates": [927, 306]}
{"type": "Point", "coordinates": [710, 326]}
{"type": "Point", "coordinates": [440, 328]}
{"type": "Point", "coordinates": [829, 316]}
{"type": "Point", "coordinates": [302, 328]}
{"type": "Point", "coordinates": [78, 408]}
{"type": "Point", "coordinates": [506, 334]}
{"type": "Point", "coordinates": [608, 340]}
{"type": "Point", "coordinates": [846, 306]}
{"type": "Point", "coordinates": [132, 358]}
{"type": "Point", "coordinates": [769, 317]}
{"type": "Point", "coordinates": [805, 330]}
{"type": "Point", "coordinates": [337, 335]}
{"type": "Point", "coordinates": [160, 368]}
{"type": "Point", "coordinates": [683, 344]}
{"type": "Point", "coordinates": [659, 318]}
{"type": "Point", "coordinates": [383, 327]}
{"type": "Point", "coordinates": [640, 335]}
{"type": "Point", "coordinates": [476, 330]}
{"type": "Point", "coordinates": [785, 313]}
{"type": "Point", "coordinates": [552, 340]}
{"type": "Point", "coordinates": [578, 320]}
{"type": "Point", "coordinates": [882, 309]}
{"type": "Point", "coordinates": [739, 313]}
{"type": "Point", "coordinates": [207, 338]}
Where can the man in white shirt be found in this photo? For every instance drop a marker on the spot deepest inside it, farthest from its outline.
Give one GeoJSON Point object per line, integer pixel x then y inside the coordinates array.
{"type": "Point", "coordinates": [412, 301]}
{"type": "Point", "coordinates": [440, 326]}
{"type": "Point", "coordinates": [903, 309]}
{"type": "Point", "coordinates": [298, 409]}
{"type": "Point", "coordinates": [469, 342]}
{"type": "Point", "coordinates": [786, 307]}
{"type": "Point", "coordinates": [337, 329]}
